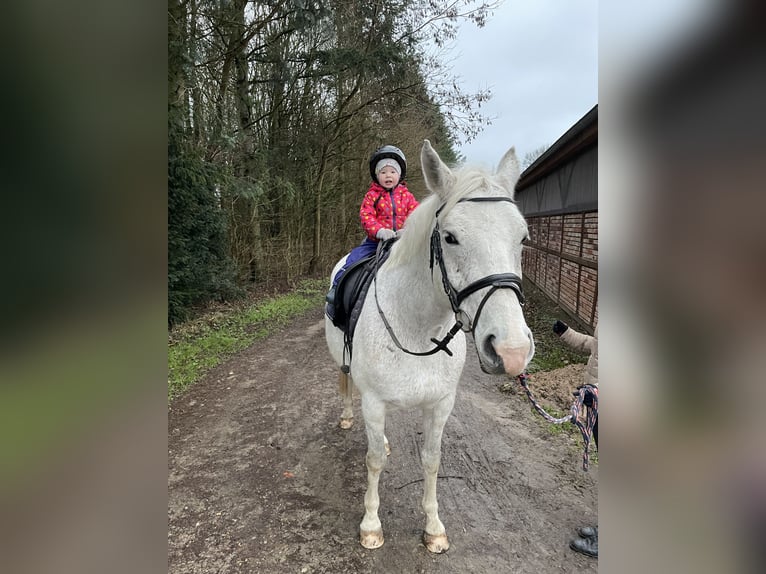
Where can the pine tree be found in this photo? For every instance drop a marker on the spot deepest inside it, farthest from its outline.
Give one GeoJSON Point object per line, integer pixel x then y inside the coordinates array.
{"type": "Point", "coordinates": [199, 268]}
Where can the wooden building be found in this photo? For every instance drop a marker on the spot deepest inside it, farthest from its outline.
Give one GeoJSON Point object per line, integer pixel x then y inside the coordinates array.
{"type": "Point", "coordinates": [558, 195]}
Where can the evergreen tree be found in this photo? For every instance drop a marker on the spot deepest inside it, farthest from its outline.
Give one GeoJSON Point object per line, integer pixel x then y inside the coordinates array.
{"type": "Point", "coordinates": [199, 268]}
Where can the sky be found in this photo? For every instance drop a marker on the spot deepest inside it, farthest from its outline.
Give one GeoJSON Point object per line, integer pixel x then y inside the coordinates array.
{"type": "Point", "coordinates": [540, 60]}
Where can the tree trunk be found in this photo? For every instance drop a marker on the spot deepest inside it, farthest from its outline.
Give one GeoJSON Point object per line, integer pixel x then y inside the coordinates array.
{"type": "Point", "coordinates": [314, 263]}
{"type": "Point", "coordinates": [176, 52]}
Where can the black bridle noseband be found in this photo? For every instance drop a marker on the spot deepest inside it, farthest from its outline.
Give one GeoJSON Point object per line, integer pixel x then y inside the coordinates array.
{"type": "Point", "coordinates": [462, 320]}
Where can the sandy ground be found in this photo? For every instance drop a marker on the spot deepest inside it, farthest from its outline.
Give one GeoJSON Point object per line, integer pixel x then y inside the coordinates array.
{"type": "Point", "coordinates": [262, 479]}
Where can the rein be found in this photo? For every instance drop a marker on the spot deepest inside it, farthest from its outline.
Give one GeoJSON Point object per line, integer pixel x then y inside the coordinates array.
{"type": "Point", "coordinates": [440, 345]}
{"type": "Point", "coordinates": [496, 281]}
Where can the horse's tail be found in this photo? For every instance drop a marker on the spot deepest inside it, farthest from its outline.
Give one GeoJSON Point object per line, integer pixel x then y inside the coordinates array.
{"type": "Point", "coordinates": [345, 386]}
{"type": "Point", "coordinates": [343, 383]}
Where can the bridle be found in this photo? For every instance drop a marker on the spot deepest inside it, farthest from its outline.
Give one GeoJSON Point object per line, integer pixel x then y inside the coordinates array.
{"type": "Point", "coordinates": [462, 320]}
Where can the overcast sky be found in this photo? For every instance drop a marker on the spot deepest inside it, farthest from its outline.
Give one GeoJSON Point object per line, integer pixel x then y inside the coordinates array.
{"type": "Point", "coordinates": [540, 60]}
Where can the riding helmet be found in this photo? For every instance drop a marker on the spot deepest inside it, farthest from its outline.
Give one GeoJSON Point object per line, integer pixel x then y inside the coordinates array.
{"type": "Point", "coordinates": [385, 152]}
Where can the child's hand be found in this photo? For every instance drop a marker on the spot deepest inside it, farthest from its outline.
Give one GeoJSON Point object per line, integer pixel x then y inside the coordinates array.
{"type": "Point", "coordinates": [385, 234]}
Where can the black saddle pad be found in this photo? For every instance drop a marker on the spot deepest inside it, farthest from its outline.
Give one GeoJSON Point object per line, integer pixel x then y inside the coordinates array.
{"type": "Point", "coordinates": [352, 290]}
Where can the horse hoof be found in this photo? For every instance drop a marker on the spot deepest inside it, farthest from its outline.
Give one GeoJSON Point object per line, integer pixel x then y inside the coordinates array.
{"type": "Point", "coordinates": [346, 424]}
{"type": "Point", "coordinates": [370, 539]}
{"type": "Point", "coordinates": [436, 543]}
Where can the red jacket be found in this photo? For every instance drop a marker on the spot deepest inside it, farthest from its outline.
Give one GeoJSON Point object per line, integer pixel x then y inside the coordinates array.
{"type": "Point", "coordinates": [378, 211]}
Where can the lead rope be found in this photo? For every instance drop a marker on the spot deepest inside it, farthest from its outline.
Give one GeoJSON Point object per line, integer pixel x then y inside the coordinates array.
{"type": "Point", "coordinates": [584, 423]}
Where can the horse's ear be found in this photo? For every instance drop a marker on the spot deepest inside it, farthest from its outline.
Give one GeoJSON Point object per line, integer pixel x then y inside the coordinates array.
{"type": "Point", "coordinates": [438, 177]}
{"type": "Point", "coordinates": [508, 171]}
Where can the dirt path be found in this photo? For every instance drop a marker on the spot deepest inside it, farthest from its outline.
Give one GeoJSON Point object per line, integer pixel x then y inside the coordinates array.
{"type": "Point", "coordinates": [261, 479]}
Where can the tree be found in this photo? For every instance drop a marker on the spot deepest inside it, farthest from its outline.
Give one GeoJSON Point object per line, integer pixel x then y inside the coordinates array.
{"type": "Point", "coordinates": [531, 156]}
{"type": "Point", "coordinates": [198, 266]}
{"type": "Point", "coordinates": [275, 108]}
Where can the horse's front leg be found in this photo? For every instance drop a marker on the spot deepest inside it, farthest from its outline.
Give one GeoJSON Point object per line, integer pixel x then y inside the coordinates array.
{"type": "Point", "coordinates": [371, 530]}
{"type": "Point", "coordinates": [434, 419]}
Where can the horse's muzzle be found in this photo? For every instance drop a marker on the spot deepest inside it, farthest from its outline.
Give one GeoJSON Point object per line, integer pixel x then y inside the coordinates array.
{"type": "Point", "coordinates": [500, 358]}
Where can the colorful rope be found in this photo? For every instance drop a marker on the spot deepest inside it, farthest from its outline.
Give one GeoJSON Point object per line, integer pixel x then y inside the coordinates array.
{"type": "Point", "coordinates": [582, 416]}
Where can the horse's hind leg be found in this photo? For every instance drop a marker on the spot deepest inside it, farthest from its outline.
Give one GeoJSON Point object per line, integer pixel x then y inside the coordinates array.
{"type": "Point", "coordinates": [435, 535]}
{"type": "Point", "coordinates": [346, 386]}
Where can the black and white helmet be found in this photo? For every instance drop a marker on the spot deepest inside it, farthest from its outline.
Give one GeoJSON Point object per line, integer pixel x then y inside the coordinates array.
{"type": "Point", "coordinates": [388, 151]}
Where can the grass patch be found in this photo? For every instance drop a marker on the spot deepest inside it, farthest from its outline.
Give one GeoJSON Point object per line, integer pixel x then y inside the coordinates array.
{"type": "Point", "coordinates": [197, 346]}
{"type": "Point", "coordinates": [561, 428]}
{"type": "Point", "coordinates": [550, 352]}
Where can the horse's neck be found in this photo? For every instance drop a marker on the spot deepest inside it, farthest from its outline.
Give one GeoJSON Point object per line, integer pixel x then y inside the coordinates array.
{"type": "Point", "coordinates": [408, 292]}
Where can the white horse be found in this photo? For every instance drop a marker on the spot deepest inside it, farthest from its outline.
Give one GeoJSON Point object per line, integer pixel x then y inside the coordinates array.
{"type": "Point", "coordinates": [456, 268]}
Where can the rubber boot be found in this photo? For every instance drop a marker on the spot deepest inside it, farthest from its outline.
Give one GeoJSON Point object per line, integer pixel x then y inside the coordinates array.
{"type": "Point", "coordinates": [587, 546]}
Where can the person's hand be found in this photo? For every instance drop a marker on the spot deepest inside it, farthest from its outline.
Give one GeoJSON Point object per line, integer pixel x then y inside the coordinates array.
{"type": "Point", "coordinates": [385, 234]}
{"type": "Point", "coordinates": [559, 327]}
{"type": "Point", "coordinates": [588, 398]}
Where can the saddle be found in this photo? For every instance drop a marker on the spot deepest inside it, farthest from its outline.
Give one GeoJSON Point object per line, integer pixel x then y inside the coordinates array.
{"type": "Point", "coordinates": [352, 289]}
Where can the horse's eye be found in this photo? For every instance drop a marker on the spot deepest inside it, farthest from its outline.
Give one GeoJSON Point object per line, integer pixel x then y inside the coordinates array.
{"type": "Point", "coordinates": [449, 238]}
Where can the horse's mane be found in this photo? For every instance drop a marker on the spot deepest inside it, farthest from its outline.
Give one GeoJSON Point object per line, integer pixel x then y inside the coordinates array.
{"type": "Point", "coordinates": [420, 223]}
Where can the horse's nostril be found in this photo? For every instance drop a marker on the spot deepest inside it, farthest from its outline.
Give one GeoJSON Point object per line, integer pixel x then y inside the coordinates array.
{"type": "Point", "coordinates": [489, 349]}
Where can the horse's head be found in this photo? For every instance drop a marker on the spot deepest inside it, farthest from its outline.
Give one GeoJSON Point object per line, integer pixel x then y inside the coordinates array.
{"type": "Point", "coordinates": [476, 247]}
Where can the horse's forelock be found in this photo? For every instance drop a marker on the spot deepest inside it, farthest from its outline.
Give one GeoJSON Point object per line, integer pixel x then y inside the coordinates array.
{"type": "Point", "coordinates": [467, 182]}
